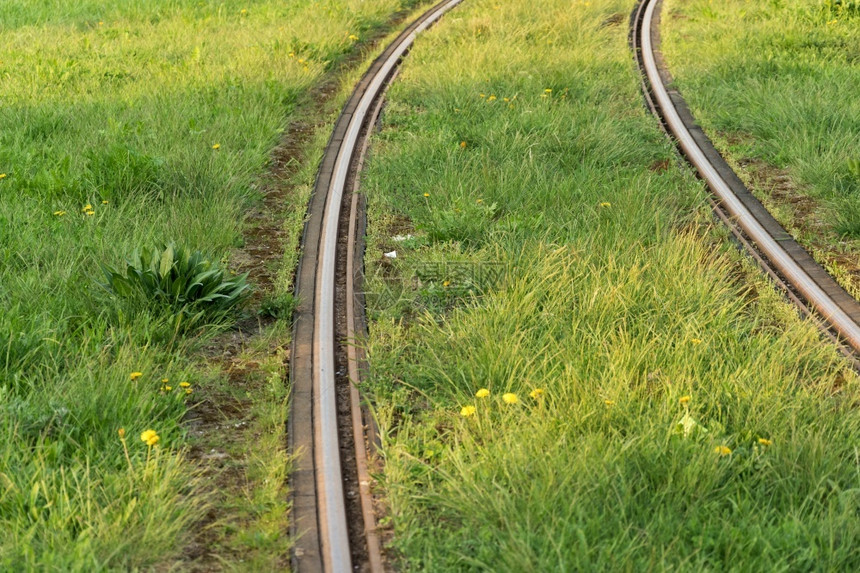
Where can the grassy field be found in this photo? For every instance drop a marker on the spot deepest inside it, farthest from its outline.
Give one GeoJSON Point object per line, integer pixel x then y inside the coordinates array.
{"type": "Point", "coordinates": [124, 125]}
{"type": "Point", "coordinates": [572, 368]}
{"type": "Point", "coordinates": [771, 83]}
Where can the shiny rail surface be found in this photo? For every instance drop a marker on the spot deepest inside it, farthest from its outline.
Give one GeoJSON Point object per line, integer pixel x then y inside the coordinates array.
{"type": "Point", "coordinates": [319, 509]}
{"type": "Point", "coordinates": [787, 260]}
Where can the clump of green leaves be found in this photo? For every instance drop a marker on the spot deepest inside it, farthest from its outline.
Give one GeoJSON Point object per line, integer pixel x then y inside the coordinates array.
{"type": "Point", "coordinates": [278, 306]}
{"type": "Point", "coordinates": [183, 283]}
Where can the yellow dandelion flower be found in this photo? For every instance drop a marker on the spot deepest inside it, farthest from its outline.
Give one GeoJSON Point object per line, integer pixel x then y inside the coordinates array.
{"type": "Point", "coordinates": [2, 176]}
{"type": "Point", "coordinates": [510, 398]}
{"type": "Point", "coordinates": [547, 91]}
{"type": "Point", "coordinates": [765, 441]}
{"type": "Point", "coordinates": [184, 384]}
{"type": "Point", "coordinates": [243, 11]}
{"type": "Point", "coordinates": [606, 204]}
{"type": "Point", "coordinates": [536, 393]}
{"type": "Point", "coordinates": [135, 375]}
{"type": "Point", "coordinates": [87, 207]}
{"type": "Point", "coordinates": [292, 54]}
{"type": "Point", "coordinates": [684, 399]}
{"type": "Point", "coordinates": [696, 341]}
{"type": "Point", "coordinates": [491, 98]}
{"type": "Point", "coordinates": [427, 194]}
{"type": "Point", "coordinates": [188, 390]}
{"type": "Point", "coordinates": [150, 437]}
{"type": "Point", "coordinates": [165, 380]}
{"type": "Point", "coordinates": [216, 146]}
{"type": "Point", "coordinates": [609, 402]}
{"type": "Point", "coordinates": [59, 213]}
{"type": "Point", "coordinates": [101, 23]}
{"type": "Point", "coordinates": [479, 201]}
{"type": "Point", "coordinates": [121, 433]}
{"type": "Point", "coordinates": [506, 99]}
{"type": "Point", "coordinates": [446, 283]}
{"type": "Point", "coordinates": [105, 202]}
{"type": "Point", "coordinates": [723, 450]}
{"type": "Point", "coordinates": [482, 393]}
{"type": "Point", "coordinates": [168, 388]}
{"type": "Point", "coordinates": [463, 145]}
{"type": "Point", "coordinates": [89, 213]}
{"type": "Point", "coordinates": [482, 95]}
{"type": "Point", "coordinates": [467, 411]}
{"type": "Point", "coordinates": [353, 37]}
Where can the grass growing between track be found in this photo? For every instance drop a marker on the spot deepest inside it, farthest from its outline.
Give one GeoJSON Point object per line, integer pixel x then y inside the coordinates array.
{"type": "Point", "coordinates": [122, 127]}
{"type": "Point", "coordinates": [774, 84]}
{"type": "Point", "coordinates": [571, 367]}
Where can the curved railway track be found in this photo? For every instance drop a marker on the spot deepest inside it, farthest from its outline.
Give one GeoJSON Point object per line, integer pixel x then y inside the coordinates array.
{"type": "Point", "coordinates": [805, 281]}
{"type": "Point", "coordinates": [333, 518]}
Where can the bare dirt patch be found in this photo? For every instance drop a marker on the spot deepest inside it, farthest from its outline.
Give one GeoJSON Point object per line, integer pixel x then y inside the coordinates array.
{"type": "Point", "coordinates": [803, 216]}
{"type": "Point", "coordinates": [221, 425]}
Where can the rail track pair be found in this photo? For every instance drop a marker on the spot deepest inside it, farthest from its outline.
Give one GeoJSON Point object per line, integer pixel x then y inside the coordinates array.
{"type": "Point", "coordinates": [333, 518]}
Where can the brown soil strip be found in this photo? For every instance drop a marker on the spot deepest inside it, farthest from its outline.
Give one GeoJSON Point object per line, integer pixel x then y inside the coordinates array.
{"type": "Point", "coordinates": [800, 213]}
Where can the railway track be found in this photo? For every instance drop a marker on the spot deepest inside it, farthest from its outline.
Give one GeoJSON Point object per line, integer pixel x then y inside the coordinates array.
{"type": "Point", "coordinates": [805, 282]}
{"type": "Point", "coordinates": [333, 519]}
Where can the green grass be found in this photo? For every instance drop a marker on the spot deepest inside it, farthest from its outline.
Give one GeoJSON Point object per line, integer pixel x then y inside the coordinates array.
{"type": "Point", "coordinates": [161, 117]}
{"type": "Point", "coordinates": [619, 299]}
{"type": "Point", "coordinates": [771, 83]}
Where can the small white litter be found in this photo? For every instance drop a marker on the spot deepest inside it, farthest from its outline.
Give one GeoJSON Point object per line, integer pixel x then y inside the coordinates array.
{"type": "Point", "coordinates": [391, 255]}
{"type": "Point", "coordinates": [401, 238]}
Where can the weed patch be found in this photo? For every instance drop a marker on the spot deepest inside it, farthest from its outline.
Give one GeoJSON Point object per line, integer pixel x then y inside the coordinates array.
{"type": "Point", "coordinates": [184, 284]}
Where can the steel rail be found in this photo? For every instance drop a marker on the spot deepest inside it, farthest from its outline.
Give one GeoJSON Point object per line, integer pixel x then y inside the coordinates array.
{"type": "Point", "coordinates": [317, 357]}
{"type": "Point", "coordinates": [818, 292]}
